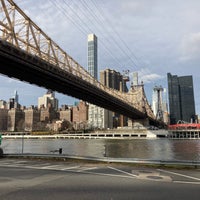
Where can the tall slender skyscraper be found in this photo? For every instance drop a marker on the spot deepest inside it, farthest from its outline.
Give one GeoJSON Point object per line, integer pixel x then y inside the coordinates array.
{"type": "Point", "coordinates": [97, 117]}
{"type": "Point", "coordinates": [92, 55]}
{"type": "Point", "coordinates": [16, 97]}
{"type": "Point", "coordinates": [181, 98]}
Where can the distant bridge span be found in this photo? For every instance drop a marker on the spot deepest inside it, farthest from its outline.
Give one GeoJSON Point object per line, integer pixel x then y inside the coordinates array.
{"type": "Point", "coordinates": [28, 54]}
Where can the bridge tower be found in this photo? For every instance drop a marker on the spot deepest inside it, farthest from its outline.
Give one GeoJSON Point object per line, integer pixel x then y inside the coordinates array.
{"type": "Point", "coordinates": [157, 102]}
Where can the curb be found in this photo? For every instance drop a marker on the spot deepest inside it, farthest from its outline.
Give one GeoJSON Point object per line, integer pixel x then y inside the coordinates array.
{"type": "Point", "coordinates": [172, 163]}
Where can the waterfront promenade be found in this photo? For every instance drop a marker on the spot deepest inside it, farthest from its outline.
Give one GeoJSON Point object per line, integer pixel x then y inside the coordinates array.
{"type": "Point", "coordinates": [112, 134]}
{"type": "Point", "coordinates": [47, 179]}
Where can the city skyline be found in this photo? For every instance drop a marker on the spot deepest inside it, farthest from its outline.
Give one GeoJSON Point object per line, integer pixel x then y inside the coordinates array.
{"type": "Point", "coordinates": [161, 37]}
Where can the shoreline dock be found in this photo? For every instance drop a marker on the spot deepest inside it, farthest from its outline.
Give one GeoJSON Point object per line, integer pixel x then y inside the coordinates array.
{"type": "Point", "coordinates": [141, 134]}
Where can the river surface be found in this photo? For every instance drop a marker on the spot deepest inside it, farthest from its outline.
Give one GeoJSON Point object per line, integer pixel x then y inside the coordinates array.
{"type": "Point", "coordinates": [158, 149]}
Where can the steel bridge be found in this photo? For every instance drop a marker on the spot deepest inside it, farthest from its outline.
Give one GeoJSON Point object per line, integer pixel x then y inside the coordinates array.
{"type": "Point", "coordinates": [29, 54]}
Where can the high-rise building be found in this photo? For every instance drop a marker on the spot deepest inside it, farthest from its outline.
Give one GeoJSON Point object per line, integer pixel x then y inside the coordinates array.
{"type": "Point", "coordinates": [48, 114]}
{"type": "Point", "coordinates": [113, 79]}
{"type": "Point", "coordinates": [92, 55]}
{"type": "Point", "coordinates": [48, 100]}
{"type": "Point", "coordinates": [3, 119]}
{"type": "Point", "coordinates": [32, 119]}
{"type": "Point", "coordinates": [117, 81]}
{"type": "Point", "coordinates": [80, 112]}
{"type": "Point", "coordinates": [3, 104]}
{"type": "Point", "coordinates": [80, 115]}
{"type": "Point", "coordinates": [11, 103]}
{"type": "Point", "coordinates": [15, 120]}
{"type": "Point", "coordinates": [16, 97]}
{"type": "Point", "coordinates": [100, 118]}
{"type": "Point", "coordinates": [181, 98]}
{"type": "Point", "coordinates": [65, 113]}
{"type": "Point", "coordinates": [14, 101]}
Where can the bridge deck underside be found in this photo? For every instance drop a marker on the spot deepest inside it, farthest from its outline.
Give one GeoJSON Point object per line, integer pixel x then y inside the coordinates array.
{"type": "Point", "coordinates": [25, 67]}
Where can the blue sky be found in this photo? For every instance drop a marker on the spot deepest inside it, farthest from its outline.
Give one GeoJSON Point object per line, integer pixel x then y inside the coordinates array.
{"type": "Point", "coordinates": [153, 37]}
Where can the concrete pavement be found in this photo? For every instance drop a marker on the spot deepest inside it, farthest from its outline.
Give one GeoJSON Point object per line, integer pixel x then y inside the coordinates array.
{"type": "Point", "coordinates": [47, 179]}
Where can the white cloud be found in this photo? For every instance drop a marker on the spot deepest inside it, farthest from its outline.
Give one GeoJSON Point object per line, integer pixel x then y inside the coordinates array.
{"type": "Point", "coordinates": [163, 35]}
{"type": "Point", "coordinates": [146, 76]}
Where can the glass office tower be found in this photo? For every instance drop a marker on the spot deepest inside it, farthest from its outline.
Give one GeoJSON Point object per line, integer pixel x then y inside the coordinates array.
{"type": "Point", "coordinates": [181, 98]}
{"type": "Point", "coordinates": [92, 55]}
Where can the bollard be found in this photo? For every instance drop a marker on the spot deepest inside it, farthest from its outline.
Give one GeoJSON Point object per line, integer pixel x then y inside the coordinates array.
{"type": "Point", "coordinates": [0, 138]}
{"type": "Point", "coordinates": [1, 152]}
{"type": "Point", "coordinates": [60, 150]}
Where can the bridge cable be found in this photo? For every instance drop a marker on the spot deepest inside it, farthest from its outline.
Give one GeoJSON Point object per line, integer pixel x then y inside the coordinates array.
{"type": "Point", "coordinates": [101, 23]}
{"type": "Point", "coordinates": [80, 27]}
{"type": "Point", "coordinates": [106, 19]}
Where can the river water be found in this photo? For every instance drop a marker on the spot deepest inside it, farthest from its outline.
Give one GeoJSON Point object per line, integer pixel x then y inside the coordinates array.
{"type": "Point", "coordinates": [156, 149]}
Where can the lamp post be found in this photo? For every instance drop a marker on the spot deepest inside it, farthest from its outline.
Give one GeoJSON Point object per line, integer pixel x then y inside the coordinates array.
{"type": "Point", "coordinates": [1, 150]}
{"type": "Point", "coordinates": [22, 142]}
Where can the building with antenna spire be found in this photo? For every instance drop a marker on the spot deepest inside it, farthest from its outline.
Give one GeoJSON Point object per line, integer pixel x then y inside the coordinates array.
{"type": "Point", "coordinates": [16, 97]}
{"type": "Point", "coordinates": [14, 101]}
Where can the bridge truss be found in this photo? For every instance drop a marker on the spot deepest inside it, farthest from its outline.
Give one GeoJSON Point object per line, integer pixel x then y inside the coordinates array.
{"type": "Point", "coordinates": [17, 29]}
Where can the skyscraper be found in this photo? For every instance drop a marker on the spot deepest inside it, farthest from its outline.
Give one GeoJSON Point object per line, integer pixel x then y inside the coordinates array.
{"type": "Point", "coordinates": [117, 81]}
{"type": "Point", "coordinates": [92, 55]}
{"type": "Point", "coordinates": [47, 100]}
{"type": "Point", "coordinates": [113, 79]}
{"type": "Point", "coordinates": [181, 98]}
{"type": "Point", "coordinates": [16, 97]}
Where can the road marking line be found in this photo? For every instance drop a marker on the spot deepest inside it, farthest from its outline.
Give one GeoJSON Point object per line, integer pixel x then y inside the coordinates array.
{"type": "Point", "coordinates": [6, 163]}
{"type": "Point", "coordinates": [86, 169]}
{"type": "Point", "coordinates": [21, 162]}
{"type": "Point", "coordinates": [102, 174]}
{"type": "Point", "coordinates": [11, 165]}
{"type": "Point", "coordinates": [42, 164]}
{"type": "Point", "coordinates": [187, 182]}
{"type": "Point", "coordinates": [73, 167]}
{"type": "Point", "coordinates": [190, 177]}
{"type": "Point", "coordinates": [50, 166]}
{"type": "Point", "coordinates": [122, 171]}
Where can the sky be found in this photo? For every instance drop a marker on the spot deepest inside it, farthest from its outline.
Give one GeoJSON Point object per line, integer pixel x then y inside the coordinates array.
{"type": "Point", "coordinates": [152, 37]}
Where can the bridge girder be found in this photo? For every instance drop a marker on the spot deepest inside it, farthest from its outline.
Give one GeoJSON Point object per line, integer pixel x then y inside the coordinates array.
{"type": "Point", "coordinates": [28, 54]}
{"type": "Point", "coordinates": [18, 64]}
